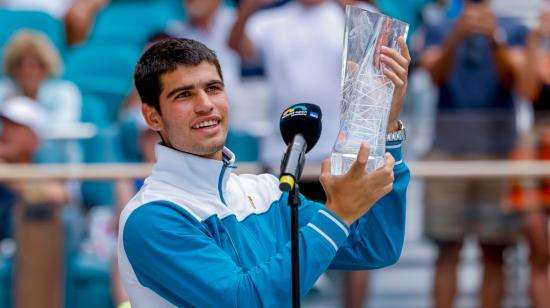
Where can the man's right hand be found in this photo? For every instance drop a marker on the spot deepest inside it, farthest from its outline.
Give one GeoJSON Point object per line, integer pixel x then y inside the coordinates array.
{"type": "Point", "coordinates": [351, 195]}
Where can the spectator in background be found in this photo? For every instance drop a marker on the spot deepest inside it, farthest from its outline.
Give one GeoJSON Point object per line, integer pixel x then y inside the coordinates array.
{"type": "Point", "coordinates": [78, 16]}
{"type": "Point", "coordinates": [54, 8]}
{"type": "Point", "coordinates": [209, 22]}
{"type": "Point", "coordinates": [32, 65]}
{"type": "Point", "coordinates": [408, 11]}
{"type": "Point", "coordinates": [22, 125]}
{"type": "Point", "coordinates": [38, 238]}
{"type": "Point", "coordinates": [534, 85]}
{"type": "Point", "coordinates": [300, 45]}
{"type": "Point", "coordinates": [471, 61]}
{"type": "Point", "coordinates": [80, 19]}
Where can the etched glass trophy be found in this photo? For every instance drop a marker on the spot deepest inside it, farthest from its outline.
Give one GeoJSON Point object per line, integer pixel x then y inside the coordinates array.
{"type": "Point", "coordinates": [366, 91]}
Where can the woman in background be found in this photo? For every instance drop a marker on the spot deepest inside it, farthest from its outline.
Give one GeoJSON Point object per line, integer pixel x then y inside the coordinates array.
{"type": "Point", "coordinates": [32, 65]}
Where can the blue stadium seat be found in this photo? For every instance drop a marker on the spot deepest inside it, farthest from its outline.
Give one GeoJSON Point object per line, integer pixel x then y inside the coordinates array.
{"type": "Point", "coordinates": [126, 22]}
{"type": "Point", "coordinates": [104, 71]}
{"type": "Point", "coordinates": [89, 283]}
{"type": "Point", "coordinates": [99, 149]}
{"type": "Point", "coordinates": [11, 21]}
{"type": "Point", "coordinates": [244, 145]}
{"type": "Point", "coordinates": [128, 138]}
{"type": "Point", "coordinates": [5, 281]}
{"type": "Point", "coordinates": [94, 111]}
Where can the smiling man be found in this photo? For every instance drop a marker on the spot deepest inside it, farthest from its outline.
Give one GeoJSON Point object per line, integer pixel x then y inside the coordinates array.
{"type": "Point", "coordinates": [198, 235]}
{"type": "Point", "coordinates": [195, 106]}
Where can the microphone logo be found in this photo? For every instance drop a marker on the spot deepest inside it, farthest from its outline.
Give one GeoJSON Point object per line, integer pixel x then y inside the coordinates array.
{"type": "Point", "coordinates": [298, 110]}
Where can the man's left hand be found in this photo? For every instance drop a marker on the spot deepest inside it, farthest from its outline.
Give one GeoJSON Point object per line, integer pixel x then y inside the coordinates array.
{"type": "Point", "coordinates": [397, 71]}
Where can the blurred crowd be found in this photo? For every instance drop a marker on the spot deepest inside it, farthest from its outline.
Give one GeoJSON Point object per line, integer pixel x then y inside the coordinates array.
{"type": "Point", "coordinates": [479, 89]}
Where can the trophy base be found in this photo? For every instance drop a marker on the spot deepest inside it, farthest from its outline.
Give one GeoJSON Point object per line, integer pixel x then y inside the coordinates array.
{"type": "Point", "coordinates": [340, 163]}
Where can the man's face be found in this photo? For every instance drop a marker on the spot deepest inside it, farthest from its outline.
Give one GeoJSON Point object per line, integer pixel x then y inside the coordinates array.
{"type": "Point", "coordinates": [18, 143]}
{"type": "Point", "coordinates": [194, 108]}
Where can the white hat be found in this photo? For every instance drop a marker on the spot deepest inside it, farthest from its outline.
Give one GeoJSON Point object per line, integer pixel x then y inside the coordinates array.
{"type": "Point", "coordinates": [25, 111]}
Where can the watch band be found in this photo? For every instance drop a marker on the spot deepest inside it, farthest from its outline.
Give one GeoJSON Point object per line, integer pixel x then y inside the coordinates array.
{"type": "Point", "coordinates": [399, 135]}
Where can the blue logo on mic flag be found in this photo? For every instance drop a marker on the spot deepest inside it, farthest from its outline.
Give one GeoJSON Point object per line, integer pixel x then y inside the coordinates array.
{"type": "Point", "coordinates": [314, 115]}
{"type": "Point", "coordinates": [296, 111]}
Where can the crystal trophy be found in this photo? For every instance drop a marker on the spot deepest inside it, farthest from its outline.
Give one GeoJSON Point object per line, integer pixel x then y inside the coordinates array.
{"type": "Point", "coordinates": [366, 91]}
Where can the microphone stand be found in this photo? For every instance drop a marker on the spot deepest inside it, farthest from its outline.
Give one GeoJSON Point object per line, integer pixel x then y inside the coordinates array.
{"type": "Point", "coordinates": [294, 203]}
{"type": "Point", "coordinates": [291, 170]}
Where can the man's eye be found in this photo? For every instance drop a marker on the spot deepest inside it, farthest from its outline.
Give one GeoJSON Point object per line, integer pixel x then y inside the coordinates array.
{"type": "Point", "coordinates": [183, 94]}
{"type": "Point", "coordinates": [213, 88]}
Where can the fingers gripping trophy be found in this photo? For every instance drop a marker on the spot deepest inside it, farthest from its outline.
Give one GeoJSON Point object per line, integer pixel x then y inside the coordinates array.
{"type": "Point", "coordinates": [367, 86]}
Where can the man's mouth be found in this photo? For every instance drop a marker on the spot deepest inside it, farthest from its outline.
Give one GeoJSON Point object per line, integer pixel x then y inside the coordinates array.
{"type": "Point", "coordinates": [209, 123]}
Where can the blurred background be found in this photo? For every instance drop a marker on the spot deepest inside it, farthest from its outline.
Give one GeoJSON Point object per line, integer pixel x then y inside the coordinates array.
{"type": "Point", "coordinates": [478, 96]}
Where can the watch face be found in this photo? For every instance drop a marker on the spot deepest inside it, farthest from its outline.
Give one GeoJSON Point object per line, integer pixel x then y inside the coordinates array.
{"type": "Point", "coordinates": [396, 136]}
{"type": "Point", "coordinates": [399, 135]}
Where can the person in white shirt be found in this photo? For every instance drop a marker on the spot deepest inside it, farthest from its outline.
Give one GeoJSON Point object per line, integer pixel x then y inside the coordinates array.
{"type": "Point", "coordinates": [300, 44]}
{"type": "Point", "coordinates": [55, 8]}
{"type": "Point", "coordinates": [209, 22]}
{"type": "Point", "coordinates": [78, 16]}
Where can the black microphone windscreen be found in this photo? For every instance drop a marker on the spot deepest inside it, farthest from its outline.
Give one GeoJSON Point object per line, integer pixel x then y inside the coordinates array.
{"type": "Point", "coordinates": [302, 119]}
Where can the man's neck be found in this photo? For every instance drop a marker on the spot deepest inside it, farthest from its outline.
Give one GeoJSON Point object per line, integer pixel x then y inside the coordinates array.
{"type": "Point", "coordinates": [216, 156]}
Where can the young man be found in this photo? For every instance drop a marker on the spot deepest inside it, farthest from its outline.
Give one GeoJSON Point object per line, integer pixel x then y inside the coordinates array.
{"type": "Point", "coordinates": [198, 235]}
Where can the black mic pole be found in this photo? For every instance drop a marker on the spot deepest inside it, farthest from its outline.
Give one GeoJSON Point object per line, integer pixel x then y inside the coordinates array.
{"type": "Point", "coordinates": [294, 202]}
{"type": "Point", "coordinates": [293, 164]}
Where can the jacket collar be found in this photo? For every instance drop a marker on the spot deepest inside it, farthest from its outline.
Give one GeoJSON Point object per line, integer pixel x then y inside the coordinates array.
{"type": "Point", "coordinates": [191, 172]}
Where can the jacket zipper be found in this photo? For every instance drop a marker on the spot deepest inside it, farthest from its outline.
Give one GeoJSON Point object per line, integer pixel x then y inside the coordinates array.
{"type": "Point", "coordinates": [220, 191]}
{"type": "Point", "coordinates": [220, 182]}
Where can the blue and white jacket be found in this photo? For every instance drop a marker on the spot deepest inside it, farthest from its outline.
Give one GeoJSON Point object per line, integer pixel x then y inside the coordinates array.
{"type": "Point", "coordinates": [198, 235]}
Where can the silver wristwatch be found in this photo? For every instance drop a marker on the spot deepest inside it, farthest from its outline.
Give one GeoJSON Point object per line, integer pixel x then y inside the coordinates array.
{"type": "Point", "coordinates": [399, 135]}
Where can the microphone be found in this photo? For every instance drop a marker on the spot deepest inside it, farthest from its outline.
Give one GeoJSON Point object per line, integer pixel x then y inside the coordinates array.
{"type": "Point", "coordinates": [300, 128]}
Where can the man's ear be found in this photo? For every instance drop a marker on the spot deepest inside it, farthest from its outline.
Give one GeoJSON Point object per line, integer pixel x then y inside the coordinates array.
{"type": "Point", "coordinates": [152, 117]}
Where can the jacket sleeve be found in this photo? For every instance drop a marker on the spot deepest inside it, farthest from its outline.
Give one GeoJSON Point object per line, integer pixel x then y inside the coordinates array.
{"type": "Point", "coordinates": [174, 255]}
{"type": "Point", "coordinates": [376, 239]}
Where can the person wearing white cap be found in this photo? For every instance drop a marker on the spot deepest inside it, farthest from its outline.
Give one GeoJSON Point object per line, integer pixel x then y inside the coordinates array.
{"type": "Point", "coordinates": [21, 131]}
{"type": "Point", "coordinates": [20, 124]}
{"type": "Point", "coordinates": [23, 126]}
{"type": "Point", "coordinates": [40, 236]}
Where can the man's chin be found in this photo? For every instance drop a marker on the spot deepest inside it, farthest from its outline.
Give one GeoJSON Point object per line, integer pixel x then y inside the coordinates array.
{"type": "Point", "coordinates": [209, 151]}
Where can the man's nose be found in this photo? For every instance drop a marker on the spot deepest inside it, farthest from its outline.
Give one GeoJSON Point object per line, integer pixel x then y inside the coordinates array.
{"type": "Point", "coordinates": [203, 104]}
